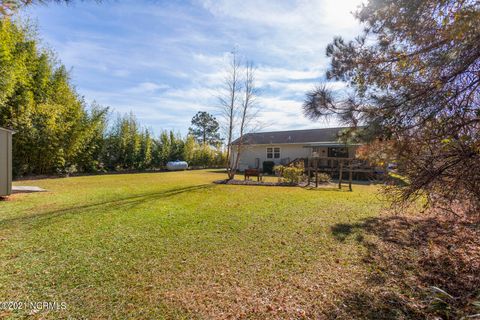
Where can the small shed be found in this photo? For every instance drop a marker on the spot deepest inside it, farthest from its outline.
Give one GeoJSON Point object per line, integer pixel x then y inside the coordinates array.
{"type": "Point", "coordinates": [5, 161]}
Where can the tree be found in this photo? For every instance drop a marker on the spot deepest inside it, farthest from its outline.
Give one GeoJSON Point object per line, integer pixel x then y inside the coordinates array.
{"type": "Point", "coordinates": [189, 147]}
{"type": "Point", "coordinates": [145, 157]}
{"type": "Point", "coordinates": [247, 111]}
{"type": "Point", "coordinates": [9, 7]}
{"type": "Point", "coordinates": [123, 143]}
{"type": "Point", "coordinates": [164, 148]}
{"type": "Point", "coordinates": [170, 147]}
{"type": "Point", "coordinates": [205, 128]}
{"type": "Point", "coordinates": [55, 130]}
{"type": "Point", "coordinates": [228, 99]}
{"type": "Point", "coordinates": [413, 77]}
{"type": "Point", "coordinates": [237, 102]}
{"type": "Point", "coordinates": [95, 126]}
{"type": "Point", "coordinates": [176, 147]}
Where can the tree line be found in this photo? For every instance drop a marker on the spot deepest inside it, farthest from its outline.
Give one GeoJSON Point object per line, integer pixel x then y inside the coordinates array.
{"type": "Point", "coordinates": [58, 133]}
{"type": "Point", "coordinates": [129, 146]}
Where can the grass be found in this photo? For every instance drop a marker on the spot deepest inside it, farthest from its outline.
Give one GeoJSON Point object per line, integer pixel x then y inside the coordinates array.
{"type": "Point", "coordinates": [176, 246]}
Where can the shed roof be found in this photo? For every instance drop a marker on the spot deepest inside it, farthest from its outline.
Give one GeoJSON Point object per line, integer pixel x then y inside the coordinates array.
{"type": "Point", "coordinates": [293, 136]}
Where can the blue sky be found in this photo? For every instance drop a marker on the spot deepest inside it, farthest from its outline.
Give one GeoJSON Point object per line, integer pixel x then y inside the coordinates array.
{"type": "Point", "coordinates": [165, 60]}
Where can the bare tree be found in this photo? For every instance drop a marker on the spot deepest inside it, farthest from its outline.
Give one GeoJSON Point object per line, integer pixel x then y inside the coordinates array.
{"type": "Point", "coordinates": [237, 104]}
{"type": "Point", "coordinates": [247, 111]}
{"type": "Point", "coordinates": [228, 98]}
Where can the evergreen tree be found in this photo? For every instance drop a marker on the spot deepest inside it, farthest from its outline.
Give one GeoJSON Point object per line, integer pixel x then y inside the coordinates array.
{"type": "Point", "coordinates": [38, 101]}
{"type": "Point", "coordinates": [145, 159]}
{"type": "Point", "coordinates": [205, 128]}
{"type": "Point", "coordinates": [164, 148]}
{"type": "Point", "coordinates": [176, 147]}
{"type": "Point", "coordinates": [189, 149]}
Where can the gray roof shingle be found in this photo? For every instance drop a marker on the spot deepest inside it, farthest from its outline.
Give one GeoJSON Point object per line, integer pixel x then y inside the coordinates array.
{"type": "Point", "coordinates": [293, 136]}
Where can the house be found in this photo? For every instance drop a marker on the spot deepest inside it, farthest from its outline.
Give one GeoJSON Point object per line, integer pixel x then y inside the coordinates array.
{"type": "Point", "coordinates": [5, 162]}
{"type": "Point", "coordinates": [283, 147]}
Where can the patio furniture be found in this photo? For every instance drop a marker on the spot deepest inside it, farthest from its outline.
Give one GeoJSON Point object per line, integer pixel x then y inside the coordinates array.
{"type": "Point", "coordinates": [253, 173]}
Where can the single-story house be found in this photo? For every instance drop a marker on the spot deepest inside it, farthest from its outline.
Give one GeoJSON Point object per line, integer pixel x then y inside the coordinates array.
{"type": "Point", "coordinates": [283, 147]}
{"type": "Point", "coordinates": [5, 162]}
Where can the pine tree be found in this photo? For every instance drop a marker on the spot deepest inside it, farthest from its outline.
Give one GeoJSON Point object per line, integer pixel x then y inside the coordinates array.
{"type": "Point", "coordinates": [414, 79]}
{"type": "Point", "coordinates": [205, 128]}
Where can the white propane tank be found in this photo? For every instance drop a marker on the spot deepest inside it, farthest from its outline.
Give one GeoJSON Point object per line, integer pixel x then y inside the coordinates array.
{"type": "Point", "coordinates": [177, 165]}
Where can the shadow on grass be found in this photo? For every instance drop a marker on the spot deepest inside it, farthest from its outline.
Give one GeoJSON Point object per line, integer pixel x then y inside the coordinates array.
{"type": "Point", "coordinates": [333, 185]}
{"type": "Point", "coordinates": [341, 231]}
{"type": "Point", "coordinates": [325, 188]}
{"type": "Point", "coordinates": [360, 182]}
{"type": "Point", "coordinates": [117, 203]}
{"type": "Point", "coordinates": [407, 257]}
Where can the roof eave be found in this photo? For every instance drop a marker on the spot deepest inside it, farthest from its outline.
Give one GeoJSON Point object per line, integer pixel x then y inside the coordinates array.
{"type": "Point", "coordinates": [331, 144]}
{"type": "Point", "coordinates": [305, 144]}
{"type": "Point", "coordinates": [8, 130]}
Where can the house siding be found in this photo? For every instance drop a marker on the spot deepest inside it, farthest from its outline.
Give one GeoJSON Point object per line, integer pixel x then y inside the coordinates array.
{"type": "Point", "coordinates": [288, 152]}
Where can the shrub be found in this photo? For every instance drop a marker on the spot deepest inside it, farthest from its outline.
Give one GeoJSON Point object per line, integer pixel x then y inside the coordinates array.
{"type": "Point", "coordinates": [268, 166]}
{"type": "Point", "coordinates": [278, 169]}
{"type": "Point", "coordinates": [292, 175]}
{"type": "Point", "coordinates": [324, 177]}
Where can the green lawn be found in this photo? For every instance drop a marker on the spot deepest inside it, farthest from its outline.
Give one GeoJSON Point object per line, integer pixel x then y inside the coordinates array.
{"type": "Point", "coordinates": [174, 245]}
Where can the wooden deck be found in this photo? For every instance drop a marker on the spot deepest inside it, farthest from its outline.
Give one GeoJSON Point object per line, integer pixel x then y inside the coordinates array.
{"type": "Point", "coordinates": [338, 168]}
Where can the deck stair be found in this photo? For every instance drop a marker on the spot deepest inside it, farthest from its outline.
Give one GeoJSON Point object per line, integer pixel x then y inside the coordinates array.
{"type": "Point", "coordinates": [296, 162]}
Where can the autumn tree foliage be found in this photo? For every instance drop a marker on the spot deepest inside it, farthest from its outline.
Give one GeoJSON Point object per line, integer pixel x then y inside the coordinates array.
{"type": "Point", "coordinates": [377, 152]}
{"type": "Point", "coordinates": [413, 78]}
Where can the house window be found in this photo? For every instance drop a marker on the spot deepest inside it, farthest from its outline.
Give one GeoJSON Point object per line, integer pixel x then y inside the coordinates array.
{"type": "Point", "coordinates": [273, 153]}
{"type": "Point", "coordinates": [337, 152]}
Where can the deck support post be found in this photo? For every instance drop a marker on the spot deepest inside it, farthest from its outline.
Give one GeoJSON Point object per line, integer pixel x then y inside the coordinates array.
{"type": "Point", "coordinates": [308, 168]}
{"type": "Point", "coordinates": [350, 176]}
{"type": "Point", "coordinates": [340, 175]}
{"type": "Point", "coordinates": [316, 173]}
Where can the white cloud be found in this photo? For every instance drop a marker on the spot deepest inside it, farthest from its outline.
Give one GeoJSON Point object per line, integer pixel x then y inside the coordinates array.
{"type": "Point", "coordinates": [292, 88]}
{"type": "Point", "coordinates": [292, 15]}
{"type": "Point", "coordinates": [267, 75]}
{"type": "Point", "coordinates": [296, 31]}
{"type": "Point", "coordinates": [148, 87]}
